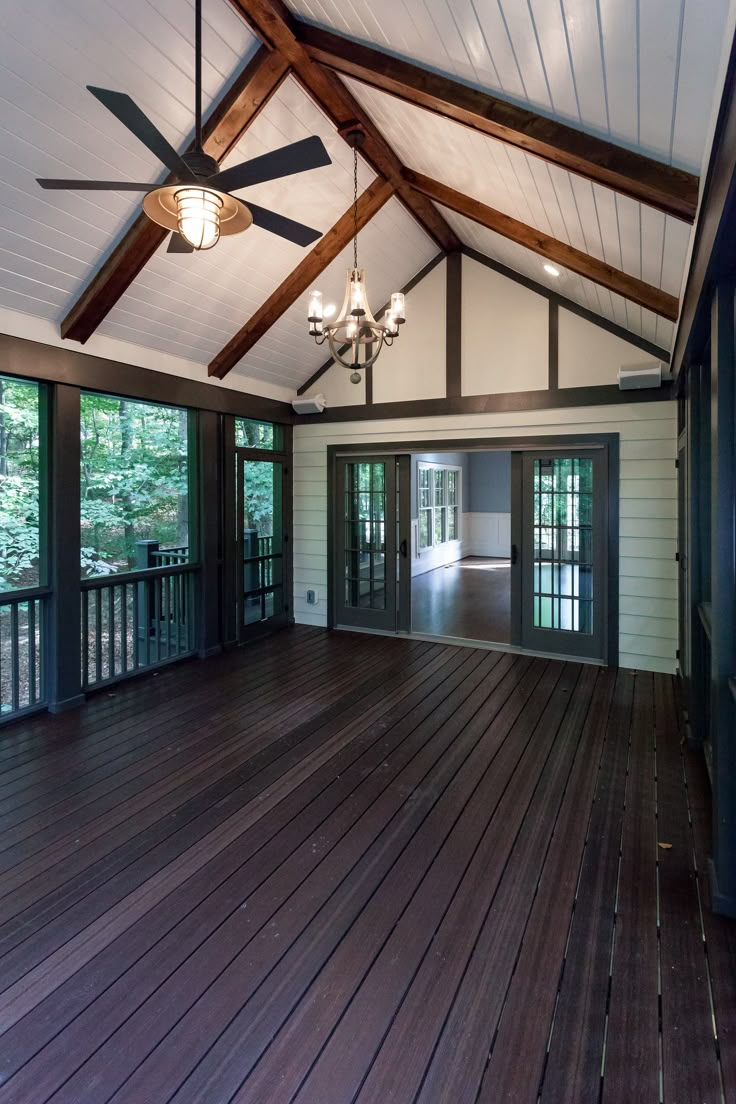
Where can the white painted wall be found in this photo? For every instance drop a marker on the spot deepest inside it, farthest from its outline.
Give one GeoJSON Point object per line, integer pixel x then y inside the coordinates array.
{"type": "Point", "coordinates": [414, 366]}
{"type": "Point", "coordinates": [647, 499]}
{"type": "Point", "coordinates": [505, 343]}
{"type": "Point", "coordinates": [590, 355]}
{"type": "Point", "coordinates": [487, 534]}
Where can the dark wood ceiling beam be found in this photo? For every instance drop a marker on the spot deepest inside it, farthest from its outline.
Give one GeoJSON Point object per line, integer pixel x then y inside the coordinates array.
{"type": "Point", "coordinates": [653, 298]}
{"type": "Point", "coordinates": [273, 23]}
{"type": "Point", "coordinates": [224, 128]}
{"type": "Point", "coordinates": [642, 178]}
{"type": "Point", "coordinates": [303, 276]}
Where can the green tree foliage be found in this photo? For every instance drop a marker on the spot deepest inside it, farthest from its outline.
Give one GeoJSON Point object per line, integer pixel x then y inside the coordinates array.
{"type": "Point", "coordinates": [19, 475]}
{"type": "Point", "coordinates": [134, 483]}
{"type": "Point", "coordinates": [259, 484]}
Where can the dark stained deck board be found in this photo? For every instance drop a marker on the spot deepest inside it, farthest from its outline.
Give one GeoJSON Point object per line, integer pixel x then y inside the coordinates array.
{"type": "Point", "coordinates": [337, 868]}
{"type": "Point", "coordinates": [296, 915]}
{"type": "Point", "coordinates": [631, 1070]}
{"type": "Point", "coordinates": [720, 933]}
{"type": "Point", "coordinates": [689, 1055]}
{"type": "Point", "coordinates": [515, 1068]}
{"type": "Point", "coordinates": [222, 877]}
{"type": "Point", "coordinates": [143, 858]}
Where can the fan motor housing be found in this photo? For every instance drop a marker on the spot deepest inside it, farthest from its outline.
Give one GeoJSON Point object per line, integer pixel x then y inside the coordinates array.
{"type": "Point", "coordinates": [201, 163]}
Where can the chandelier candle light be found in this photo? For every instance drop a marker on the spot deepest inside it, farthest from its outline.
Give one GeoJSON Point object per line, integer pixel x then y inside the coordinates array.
{"type": "Point", "coordinates": [355, 338]}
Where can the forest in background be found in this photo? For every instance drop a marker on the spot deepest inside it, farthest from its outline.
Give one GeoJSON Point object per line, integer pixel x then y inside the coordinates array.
{"type": "Point", "coordinates": [134, 481]}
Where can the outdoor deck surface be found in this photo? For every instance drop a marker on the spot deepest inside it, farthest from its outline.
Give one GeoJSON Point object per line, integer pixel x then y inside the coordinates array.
{"type": "Point", "coordinates": [330, 868]}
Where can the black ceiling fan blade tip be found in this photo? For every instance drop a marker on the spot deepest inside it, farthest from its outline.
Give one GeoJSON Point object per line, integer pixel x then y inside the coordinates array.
{"type": "Point", "coordinates": [295, 232]}
{"type": "Point", "coordinates": [308, 153]}
{"type": "Point", "coordinates": [127, 112]}
{"type": "Point", "coordinates": [93, 185]}
{"type": "Point", "coordinates": [177, 244]}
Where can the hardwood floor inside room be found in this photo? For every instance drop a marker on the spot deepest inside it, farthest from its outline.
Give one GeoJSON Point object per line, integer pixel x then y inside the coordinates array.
{"type": "Point", "coordinates": [334, 868]}
{"type": "Point", "coordinates": [468, 600]}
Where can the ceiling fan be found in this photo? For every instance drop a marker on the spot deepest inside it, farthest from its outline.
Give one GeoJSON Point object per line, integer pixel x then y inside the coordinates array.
{"type": "Point", "coordinates": [198, 206]}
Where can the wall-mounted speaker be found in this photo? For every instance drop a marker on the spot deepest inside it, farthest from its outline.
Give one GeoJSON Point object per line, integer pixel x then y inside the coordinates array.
{"type": "Point", "coordinates": [311, 404]}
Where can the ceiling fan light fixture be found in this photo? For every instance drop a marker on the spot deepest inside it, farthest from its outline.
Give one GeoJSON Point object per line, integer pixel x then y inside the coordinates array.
{"type": "Point", "coordinates": [198, 216]}
{"type": "Point", "coordinates": [162, 206]}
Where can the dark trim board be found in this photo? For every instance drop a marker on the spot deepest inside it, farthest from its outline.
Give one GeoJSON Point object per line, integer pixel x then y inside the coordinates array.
{"type": "Point", "coordinates": [20, 356]}
{"type": "Point", "coordinates": [607, 441]}
{"type": "Point", "coordinates": [454, 326]}
{"type": "Point", "coordinates": [511, 401]}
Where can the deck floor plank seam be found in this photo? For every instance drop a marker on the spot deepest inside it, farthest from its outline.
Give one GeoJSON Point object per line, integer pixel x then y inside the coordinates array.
{"type": "Point", "coordinates": [336, 868]}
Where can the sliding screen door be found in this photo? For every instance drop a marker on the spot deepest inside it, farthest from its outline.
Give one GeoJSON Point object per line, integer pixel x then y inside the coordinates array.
{"type": "Point", "coordinates": [563, 561]}
{"type": "Point", "coordinates": [365, 545]}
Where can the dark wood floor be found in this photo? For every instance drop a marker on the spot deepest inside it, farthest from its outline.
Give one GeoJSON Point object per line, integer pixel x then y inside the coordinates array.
{"type": "Point", "coordinates": [468, 600]}
{"type": "Point", "coordinates": [333, 868]}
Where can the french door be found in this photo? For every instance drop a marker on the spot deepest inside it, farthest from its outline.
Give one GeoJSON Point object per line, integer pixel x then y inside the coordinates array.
{"type": "Point", "coordinates": [561, 567]}
{"type": "Point", "coordinates": [260, 495]}
{"type": "Point", "coordinates": [371, 577]}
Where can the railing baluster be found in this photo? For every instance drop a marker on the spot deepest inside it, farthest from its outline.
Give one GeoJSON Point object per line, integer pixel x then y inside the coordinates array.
{"type": "Point", "coordinates": [98, 634]}
{"type": "Point", "coordinates": [14, 659]}
{"type": "Point", "coordinates": [166, 584]}
{"type": "Point", "coordinates": [85, 639]}
{"type": "Point", "coordinates": [111, 631]}
{"type": "Point", "coordinates": [31, 604]}
{"type": "Point", "coordinates": [124, 628]}
{"type": "Point", "coordinates": [136, 628]}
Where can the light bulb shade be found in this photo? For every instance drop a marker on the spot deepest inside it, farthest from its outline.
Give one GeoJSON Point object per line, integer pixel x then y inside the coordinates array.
{"type": "Point", "coordinates": [315, 307]}
{"type": "Point", "coordinates": [392, 326]}
{"type": "Point", "coordinates": [397, 308]}
{"type": "Point", "coordinates": [358, 298]}
{"type": "Point", "coordinates": [198, 216]}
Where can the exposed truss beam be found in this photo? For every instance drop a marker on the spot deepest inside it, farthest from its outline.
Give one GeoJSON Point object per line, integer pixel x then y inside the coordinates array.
{"type": "Point", "coordinates": [297, 282]}
{"type": "Point", "coordinates": [224, 128]}
{"type": "Point", "coordinates": [642, 178]}
{"type": "Point", "coordinates": [274, 24]}
{"type": "Point", "coordinates": [653, 298]}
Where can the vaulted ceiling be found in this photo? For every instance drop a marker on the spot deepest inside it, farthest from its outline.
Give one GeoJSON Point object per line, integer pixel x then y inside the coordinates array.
{"type": "Point", "coordinates": [524, 129]}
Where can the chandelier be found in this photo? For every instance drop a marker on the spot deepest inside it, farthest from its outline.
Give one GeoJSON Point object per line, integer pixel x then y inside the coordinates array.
{"type": "Point", "coordinates": [355, 338]}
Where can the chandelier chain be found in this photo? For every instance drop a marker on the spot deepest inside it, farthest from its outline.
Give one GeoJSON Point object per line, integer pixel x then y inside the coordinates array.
{"type": "Point", "coordinates": [355, 208]}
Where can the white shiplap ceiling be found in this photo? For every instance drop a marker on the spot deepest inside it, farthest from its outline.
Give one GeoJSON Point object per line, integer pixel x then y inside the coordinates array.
{"type": "Point", "coordinates": [640, 72]}
{"type": "Point", "coordinates": [50, 125]}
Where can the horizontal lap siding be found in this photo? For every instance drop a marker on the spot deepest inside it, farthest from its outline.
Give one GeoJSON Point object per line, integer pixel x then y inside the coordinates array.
{"type": "Point", "coordinates": [648, 506]}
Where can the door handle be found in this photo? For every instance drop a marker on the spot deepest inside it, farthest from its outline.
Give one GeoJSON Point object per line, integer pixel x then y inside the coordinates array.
{"type": "Point", "coordinates": [404, 548]}
{"type": "Point", "coordinates": [514, 553]}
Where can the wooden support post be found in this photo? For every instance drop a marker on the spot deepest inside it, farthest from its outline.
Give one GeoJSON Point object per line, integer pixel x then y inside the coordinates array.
{"type": "Point", "coordinates": [64, 625]}
{"type": "Point", "coordinates": [209, 530]}
{"type": "Point", "coordinates": [228, 588]}
{"type": "Point", "coordinates": [723, 597]}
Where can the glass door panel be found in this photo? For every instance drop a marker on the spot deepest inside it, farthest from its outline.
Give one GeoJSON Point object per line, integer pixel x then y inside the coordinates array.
{"type": "Point", "coordinates": [260, 494]}
{"type": "Point", "coordinates": [563, 557]}
{"type": "Point", "coordinates": [366, 543]}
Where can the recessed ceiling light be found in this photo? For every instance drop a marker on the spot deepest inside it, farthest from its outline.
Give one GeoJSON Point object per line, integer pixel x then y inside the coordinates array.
{"type": "Point", "coordinates": [329, 310]}
{"type": "Point", "coordinates": [551, 270]}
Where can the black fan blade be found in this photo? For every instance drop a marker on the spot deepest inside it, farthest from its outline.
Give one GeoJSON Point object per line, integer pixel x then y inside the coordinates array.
{"type": "Point", "coordinates": [285, 227]}
{"type": "Point", "coordinates": [95, 185]}
{"type": "Point", "coordinates": [178, 245]}
{"type": "Point", "coordinates": [131, 116]}
{"type": "Point", "coordinates": [309, 153]}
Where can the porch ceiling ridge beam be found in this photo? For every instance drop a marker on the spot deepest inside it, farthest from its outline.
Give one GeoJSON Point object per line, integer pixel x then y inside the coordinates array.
{"type": "Point", "coordinates": [274, 24]}
{"type": "Point", "coordinates": [298, 281]}
{"type": "Point", "coordinates": [630, 287]}
{"type": "Point", "coordinates": [671, 190]}
{"type": "Point", "coordinates": [225, 126]}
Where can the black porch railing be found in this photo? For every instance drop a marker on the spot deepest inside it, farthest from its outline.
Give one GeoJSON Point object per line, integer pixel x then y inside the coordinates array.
{"type": "Point", "coordinates": [22, 625]}
{"type": "Point", "coordinates": [135, 621]}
